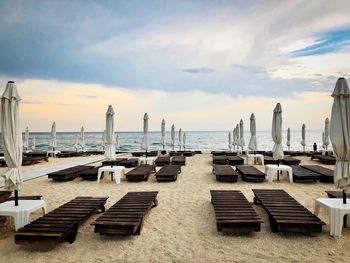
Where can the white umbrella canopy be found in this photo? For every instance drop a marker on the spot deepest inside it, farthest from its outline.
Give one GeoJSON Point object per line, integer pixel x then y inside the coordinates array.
{"type": "Point", "coordinates": [303, 136]}
{"type": "Point", "coordinates": [11, 138]}
{"type": "Point", "coordinates": [104, 139]}
{"type": "Point", "coordinates": [241, 134]}
{"type": "Point", "coordinates": [277, 151]}
{"type": "Point", "coordinates": [53, 136]}
{"type": "Point", "coordinates": [162, 130]}
{"type": "Point", "coordinates": [145, 139]}
{"type": "Point", "coordinates": [33, 144]}
{"type": "Point", "coordinates": [323, 140]}
{"type": "Point", "coordinates": [237, 136]}
{"type": "Point", "coordinates": [26, 139]}
{"type": "Point", "coordinates": [82, 138]}
{"type": "Point", "coordinates": [173, 136]}
{"type": "Point", "coordinates": [288, 138]}
{"type": "Point", "coordinates": [184, 140]}
{"type": "Point", "coordinates": [253, 145]}
{"type": "Point", "coordinates": [117, 142]}
{"type": "Point", "coordinates": [340, 135]}
{"type": "Point", "coordinates": [229, 141]}
{"type": "Point", "coordinates": [110, 144]}
{"type": "Point", "coordinates": [326, 133]}
{"type": "Point", "coordinates": [180, 138]}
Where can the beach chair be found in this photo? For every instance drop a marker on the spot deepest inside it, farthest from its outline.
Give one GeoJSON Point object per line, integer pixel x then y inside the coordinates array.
{"type": "Point", "coordinates": [269, 160]}
{"type": "Point", "coordinates": [90, 174]}
{"type": "Point", "coordinates": [225, 173]}
{"type": "Point", "coordinates": [34, 160]}
{"type": "Point", "coordinates": [168, 173]}
{"type": "Point", "coordinates": [178, 160]}
{"type": "Point", "coordinates": [220, 159]}
{"type": "Point", "coordinates": [69, 174]}
{"type": "Point", "coordinates": [129, 163]}
{"type": "Point", "coordinates": [326, 174]}
{"type": "Point", "coordinates": [285, 213]}
{"type": "Point", "coordinates": [113, 162]}
{"type": "Point", "coordinates": [140, 173]}
{"type": "Point", "coordinates": [175, 153]}
{"type": "Point", "coordinates": [127, 216]}
{"type": "Point", "coordinates": [233, 212]}
{"type": "Point", "coordinates": [162, 160]}
{"type": "Point", "coordinates": [188, 153]}
{"type": "Point", "coordinates": [325, 159]}
{"type": "Point", "coordinates": [138, 154]}
{"type": "Point", "coordinates": [302, 174]}
{"type": "Point", "coordinates": [61, 224]}
{"type": "Point", "coordinates": [250, 174]}
{"type": "Point", "coordinates": [235, 160]}
{"type": "Point", "coordinates": [290, 161]}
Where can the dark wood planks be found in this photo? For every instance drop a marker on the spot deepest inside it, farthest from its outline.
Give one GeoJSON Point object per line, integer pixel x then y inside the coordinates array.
{"type": "Point", "coordinates": [233, 212]}
{"type": "Point", "coordinates": [326, 174]}
{"type": "Point", "coordinates": [126, 217]}
{"type": "Point", "coordinates": [235, 160]}
{"type": "Point", "coordinates": [285, 213]}
{"type": "Point", "coordinates": [140, 173]}
{"type": "Point", "coordinates": [290, 161]}
{"type": "Point", "coordinates": [250, 174]}
{"type": "Point", "coordinates": [168, 173]}
{"type": "Point", "coordinates": [90, 174]}
{"type": "Point", "coordinates": [225, 173]}
{"type": "Point", "coordinates": [132, 162]}
{"type": "Point", "coordinates": [162, 160]}
{"type": "Point", "coordinates": [178, 160]}
{"type": "Point", "coordinates": [302, 174]}
{"type": "Point", "coordinates": [325, 159]}
{"type": "Point", "coordinates": [220, 159]}
{"type": "Point", "coordinates": [69, 173]}
{"type": "Point", "coordinates": [61, 224]}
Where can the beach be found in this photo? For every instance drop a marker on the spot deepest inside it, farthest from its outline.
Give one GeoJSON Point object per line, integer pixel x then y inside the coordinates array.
{"type": "Point", "coordinates": [182, 227]}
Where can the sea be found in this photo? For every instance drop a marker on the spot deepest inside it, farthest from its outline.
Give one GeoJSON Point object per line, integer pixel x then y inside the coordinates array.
{"type": "Point", "coordinates": [205, 141]}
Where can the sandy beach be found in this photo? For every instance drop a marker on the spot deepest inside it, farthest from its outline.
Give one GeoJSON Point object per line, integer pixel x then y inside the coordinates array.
{"type": "Point", "coordinates": [182, 227]}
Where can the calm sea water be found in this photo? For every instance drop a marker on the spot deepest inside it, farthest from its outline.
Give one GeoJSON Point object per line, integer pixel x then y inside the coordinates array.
{"type": "Point", "coordinates": [203, 140]}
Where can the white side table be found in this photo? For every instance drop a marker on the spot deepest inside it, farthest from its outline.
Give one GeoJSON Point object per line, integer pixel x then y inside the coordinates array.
{"type": "Point", "coordinates": [116, 170]}
{"type": "Point", "coordinates": [251, 158]}
{"type": "Point", "coordinates": [272, 169]}
{"type": "Point", "coordinates": [148, 160]}
{"type": "Point", "coordinates": [336, 212]}
{"type": "Point", "coordinates": [52, 153]}
{"type": "Point", "coordinates": [21, 212]}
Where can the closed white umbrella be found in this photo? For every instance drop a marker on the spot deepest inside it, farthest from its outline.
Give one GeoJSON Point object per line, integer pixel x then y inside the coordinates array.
{"type": "Point", "coordinates": [229, 141]}
{"type": "Point", "coordinates": [117, 142]}
{"type": "Point", "coordinates": [326, 133]}
{"type": "Point", "coordinates": [162, 129]}
{"type": "Point", "coordinates": [234, 139]}
{"type": "Point", "coordinates": [184, 140]}
{"type": "Point", "coordinates": [253, 145]}
{"type": "Point", "coordinates": [53, 136]}
{"type": "Point", "coordinates": [173, 136]}
{"type": "Point", "coordinates": [110, 144]}
{"type": "Point", "coordinates": [33, 144]}
{"type": "Point", "coordinates": [323, 140]}
{"type": "Point", "coordinates": [237, 137]}
{"type": "Point", "coordinates": [180, 138]}
{"type": "Point", "coordinates": [145, 139]}
{"type": "Point", "coordinates": [288, 139]}
{"type": "Point", "coordinates": [303, 136]}
{"type": "Point", "coordinates": [277, 151]}
{"type": "Point", "coordinates": [26, 139]}
{"type": "Point", "coordinates": [340, 135]}
{"type": "Point", "coordinates": [104, 139]}
{"type": "Point", "coordinates": [11, 138]}
{"type": "Point", "coordinates": [82, 138]}
{"type": "Point", "coordinates": [241, 134]}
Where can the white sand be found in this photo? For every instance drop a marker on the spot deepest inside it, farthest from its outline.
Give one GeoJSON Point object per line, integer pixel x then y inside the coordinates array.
{"type": "Point", "coordinates": [182, 227]}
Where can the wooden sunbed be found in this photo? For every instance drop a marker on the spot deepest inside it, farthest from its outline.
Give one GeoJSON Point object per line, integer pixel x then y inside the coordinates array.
{"type": "Point", "coordinates": [178, 160]}
{"type": "Point", "coordinates": [168, 173]}
{"type": "Point", "coordinates": [233, 212]}
{"type": "Point", "coordinates": [140, 173]}
{"type": "Point", "coordinates": [188, 153]}
{"type": "Point", "coordinates": [220, 159]}
{"type": "Point", "coordinates": [28, 160]}
{"type": "Point", "coordinates": [133, 162]}
{"type": "Point", "coordinates": [325, 159]}
{"type": "Point", "coordinates": [285, 213]}
{"type": "Point", "coordinates": [225, 173]}
{"type": "Point", "coordinates": [290, 161]}
{"type": "Point", "coordinates": [162, 160]}
{"type": "Point", "coordinates": [218, 153]}
{"type": "Point", "coordinates": [114, 162]}
{"type": "Point", "coordinates": [61, 224]}
{"type": "Point", "coordinates": [90, 174]}
{"type": "Point", "coordinates": [137, 154]}
{"type": "Point", "coordinates": [69, 174]}
{"type": "Point", "coordinates": [250, 174]}
{"type": "Point", "coordinates": [326, 174]}
{"type": "Point", "coordinates": [302, 174]}
{"type": "Point", "coordinates": [174, 153]}
{"type": "Point", "coordinates": [127, 216]}
{"type": "Point", "coordinates": [269, 160]}
{"type": "Point", "coordinates": [235, 160]}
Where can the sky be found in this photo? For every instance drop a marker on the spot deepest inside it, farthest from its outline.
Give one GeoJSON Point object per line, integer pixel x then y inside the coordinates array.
{"type": "Point", "coordinates": [201, 65]}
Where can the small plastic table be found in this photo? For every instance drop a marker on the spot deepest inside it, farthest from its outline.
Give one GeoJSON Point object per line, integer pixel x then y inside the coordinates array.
{"type": "Point", "coordinates": [21, 212]}
{"type": "Point", "coordinates": [336, 212]}
{"type": "Point", "coordinates": [116, 170]}
{"type": "Point", "coordinates": [53, 153]}
{"type": "Point", "coordinates": [148, 160]}
{"type": "Point", "coordinates": [272, 169]}
{"type": "Point", "coordinates": [251, 158]}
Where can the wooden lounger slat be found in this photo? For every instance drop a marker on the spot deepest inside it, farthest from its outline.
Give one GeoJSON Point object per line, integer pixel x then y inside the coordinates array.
{"type": "Point", "coordinates": [178, 160]}
{"type": "Point", "coordinates": [168, 173]}
{"type": "Point", "coordinates": [140, 173]}
{"type": "Point", "coordinates": [285, 213]}
{"type": "Point", "coordinates": [250, 174]}
{"type": "Point", "coordinates": [162, 160]}
{"type": "Point", "coordinates": [225, 173]}
{"type": "Point", "coordinates": [69, 173]}
{"type": "Point", "coordinates": [326, 174]}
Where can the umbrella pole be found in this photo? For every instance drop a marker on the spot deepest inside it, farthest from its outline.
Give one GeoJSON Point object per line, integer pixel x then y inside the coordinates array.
{"type": "Point", "coordinates": [16, 197]}
{"type": "Point", "coordinates": [344, 197]}
{"type": "Point", "coordinates": [278, 172]}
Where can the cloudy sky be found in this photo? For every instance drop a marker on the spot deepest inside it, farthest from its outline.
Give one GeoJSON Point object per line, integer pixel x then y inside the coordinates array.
{"type": "Point", "coordinates": [202, 65]}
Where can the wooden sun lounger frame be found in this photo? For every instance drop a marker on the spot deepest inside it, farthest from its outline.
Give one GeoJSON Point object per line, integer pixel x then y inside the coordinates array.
{"type": "Point", "coordinates": [325, 159]}
{"type": "Point", "coordinates": [162, 160]}
{"type": "Point", "coordinates": [61, 224]}
{"type": "Point", "coordinates": [168, 173]}
{"type": "Point", "coordinates": [285, 213]}
{"type": "Point", "coordinates": [250, 174]}
{"type": "Point", "coordinates": [127, 216]}
{"type": "Point", "coordinates": [129, 163]}
{"type": "Point", "coordinates": [140, 173]}
{"type": "Point", "coordinates": [225, 173]}
{"type": "Point", "coordinates": [233, 212]}
{"type": "Point", "coordinates": [178, 160]}
{"type": "Point", "coordinates": [326, 173]}
{"type": "Point", "coordinates": [302, 174]}
{"type": "Point", "coordinates": [290, 161]}
{"type": "Point", "coordinates": [68, 174]}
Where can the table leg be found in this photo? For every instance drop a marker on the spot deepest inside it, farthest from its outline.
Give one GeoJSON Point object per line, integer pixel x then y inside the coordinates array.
{"type": "Point", "coordinates": [99, 176]}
